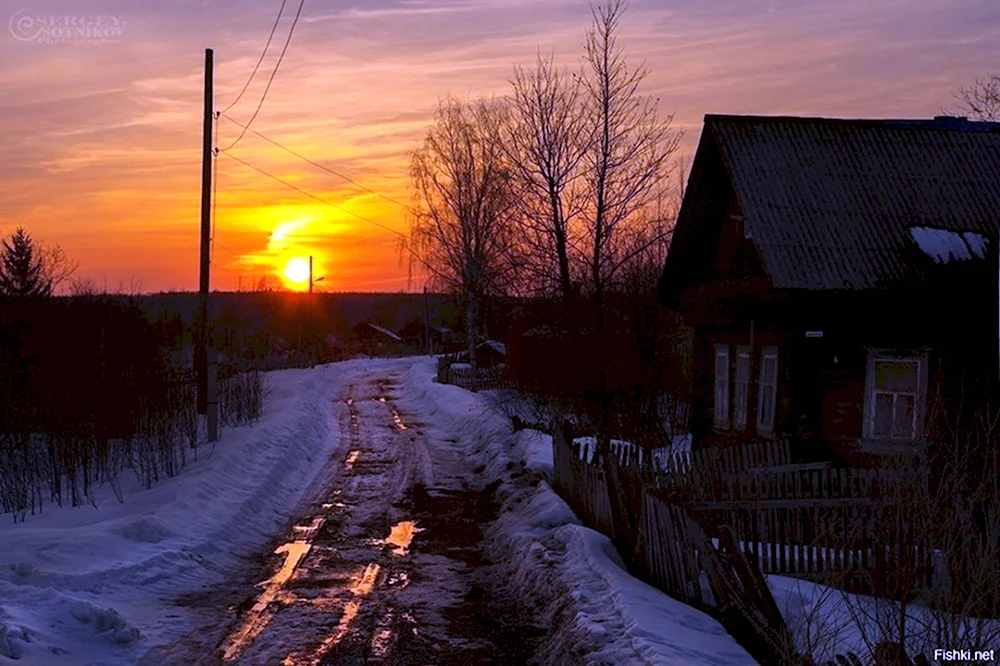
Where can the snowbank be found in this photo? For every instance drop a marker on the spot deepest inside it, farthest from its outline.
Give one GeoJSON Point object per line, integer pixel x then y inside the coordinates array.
{"type": "Point", "coordinates": [96, 586]}
{"type": "Point", "coordinates": [569, 575]}
{"type": "Point", "coordinates": [825, 621]}
{"type": "Point", "coordinates": [100, 586]}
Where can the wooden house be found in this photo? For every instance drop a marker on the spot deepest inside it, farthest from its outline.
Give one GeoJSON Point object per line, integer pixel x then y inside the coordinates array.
{"type": "Point", "coordinates": [840, 277]}
{"type": "Point", "coordinates": [433, 337]}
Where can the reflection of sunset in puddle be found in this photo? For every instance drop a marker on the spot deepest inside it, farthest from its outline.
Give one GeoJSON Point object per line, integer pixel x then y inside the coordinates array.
{"type": "Point", "coordinates": [401, 536]}
{"type": "Point", "coordinates": [352, 458]}
{"type": "Point", "coordinates": [260, 615]}
{"type": "Point", "coordinates": [398, 421]}
{"type": "Point", "coordinates": [398, 579]}
{"type": "Point", "coordinates": [383, 635]}
{"type": "Point", "coordinates": [363, 586]}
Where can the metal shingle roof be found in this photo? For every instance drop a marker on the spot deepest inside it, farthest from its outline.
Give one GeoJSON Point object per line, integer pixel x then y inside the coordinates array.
{"type": "Point", "coordinates": [829, 202]}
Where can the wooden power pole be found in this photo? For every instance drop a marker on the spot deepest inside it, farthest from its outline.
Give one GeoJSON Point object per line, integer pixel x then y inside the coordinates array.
{"type": "Point", "coordinates": [310, 274]}
{"type": "Point", "coordinates": [205, 360]}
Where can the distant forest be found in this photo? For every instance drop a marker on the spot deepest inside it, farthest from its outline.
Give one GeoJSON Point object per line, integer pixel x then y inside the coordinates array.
{"type": "Point", "coordinates": [341, 311]}
{"type": "Point", "coordinates": [263, 327]}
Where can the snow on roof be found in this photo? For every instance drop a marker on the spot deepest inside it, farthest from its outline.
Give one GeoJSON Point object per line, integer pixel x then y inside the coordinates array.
{"type": "Point", "coordinates": [943, 245]}
{"type": "Point", "coordinates": [384, 331]}
{"type": "Point", "coordinates": [498, 347]}
{"type": "Point", "coordinates": [976, 243]}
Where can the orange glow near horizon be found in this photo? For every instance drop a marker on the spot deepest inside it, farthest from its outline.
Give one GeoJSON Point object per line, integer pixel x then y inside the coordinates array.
{"type": "Point", "coordinates": [102, 141]}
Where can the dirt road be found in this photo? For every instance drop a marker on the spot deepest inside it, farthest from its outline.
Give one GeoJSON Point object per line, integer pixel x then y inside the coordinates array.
{"type": "Point", "coordinates": [382, 565]}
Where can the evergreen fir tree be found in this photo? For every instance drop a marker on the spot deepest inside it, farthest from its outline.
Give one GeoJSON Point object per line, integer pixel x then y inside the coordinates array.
{"type": "Point", "coordinates": [22, 267]}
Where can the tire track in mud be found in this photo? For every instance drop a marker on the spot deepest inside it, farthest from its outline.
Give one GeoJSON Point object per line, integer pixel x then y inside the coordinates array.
{"type": "Point", "coordinates": [384, 566]}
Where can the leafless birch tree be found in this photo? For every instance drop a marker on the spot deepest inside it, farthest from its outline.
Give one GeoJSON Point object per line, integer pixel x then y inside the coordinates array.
{"type": "Point", "coordinates": [625, 168]}
{"type": "Point", "coordinates": [463, 205]}
{"type": "Point", "coordinates": [628, 160]}
{"type": "Point", "coordinates": [545, 140]}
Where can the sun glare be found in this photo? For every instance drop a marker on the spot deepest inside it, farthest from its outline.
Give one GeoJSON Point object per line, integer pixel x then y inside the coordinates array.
{"type": "Point", "coordinates": [297, 270]}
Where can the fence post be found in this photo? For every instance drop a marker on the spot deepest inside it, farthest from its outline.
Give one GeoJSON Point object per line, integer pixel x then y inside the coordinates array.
{"type": "Point", "coordinates": [213, 395]}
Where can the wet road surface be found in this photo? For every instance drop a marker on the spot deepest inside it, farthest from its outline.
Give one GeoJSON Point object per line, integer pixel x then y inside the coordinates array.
{"type": "Point", "coordinates": [383, 564]}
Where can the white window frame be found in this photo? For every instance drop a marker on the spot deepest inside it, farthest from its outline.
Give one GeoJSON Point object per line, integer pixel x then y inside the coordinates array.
{"type": "Point", "coordinates": [920, 399]}
{"type": "Point", "coordinates": [741, 388]}
{"type": "Point", "coordinates": [765, 421]}
{"type": "Point", "coordinates": [720, 403]}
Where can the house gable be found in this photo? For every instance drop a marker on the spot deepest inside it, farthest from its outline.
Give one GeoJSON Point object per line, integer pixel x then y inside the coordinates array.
{"type": "Point", "coordinates": [710, 243]}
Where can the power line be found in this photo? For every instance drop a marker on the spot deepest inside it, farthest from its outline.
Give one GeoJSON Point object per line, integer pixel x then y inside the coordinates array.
{"type": "Point", "coordinates": [404, 237]}
{"type": "Point", "coordinates": [228, 250]}
{"type": "Point", "coordinates": [215, 181]}
{"type": "Point", "coordinates": [281, 57]}
{"type": "Point", "coordinates": [318, 165]}
{"type": "Point", "coordinates": [259, 60]}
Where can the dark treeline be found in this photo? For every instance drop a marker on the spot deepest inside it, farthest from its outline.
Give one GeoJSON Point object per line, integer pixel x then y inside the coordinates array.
{"type": "Point", "coordinates": [92, 385]}
{"type": "Point", "coordinates": [277, 329]}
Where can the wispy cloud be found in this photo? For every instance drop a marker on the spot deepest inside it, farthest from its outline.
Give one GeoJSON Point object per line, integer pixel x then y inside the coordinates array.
{"type": "Point", "coordinates": [102, 142]}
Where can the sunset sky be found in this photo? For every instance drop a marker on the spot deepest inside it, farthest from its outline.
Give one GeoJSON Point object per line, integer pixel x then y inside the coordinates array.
{"type": "Point", "coordinates": [101, 141]}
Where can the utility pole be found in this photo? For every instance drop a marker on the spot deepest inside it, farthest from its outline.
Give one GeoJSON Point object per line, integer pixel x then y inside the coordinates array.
{"type": "Point", "coordinates": [310, 274]}
{"type": "Point", "coordinates": [204, 356]}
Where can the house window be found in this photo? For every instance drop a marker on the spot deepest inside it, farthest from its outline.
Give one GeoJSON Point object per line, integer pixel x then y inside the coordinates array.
{"type": "Point", "coordinates": [721, 407]}
{"type": "Point", "coordinates": [895, 396]}
{"type": "Point", "coordinates": [767, 392]}
{"type": "Point", "coordinates": [741, 394]}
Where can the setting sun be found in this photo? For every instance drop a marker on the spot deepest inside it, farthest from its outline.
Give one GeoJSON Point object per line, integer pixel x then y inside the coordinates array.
{"type": "Point", "coordinates": [297, 270]}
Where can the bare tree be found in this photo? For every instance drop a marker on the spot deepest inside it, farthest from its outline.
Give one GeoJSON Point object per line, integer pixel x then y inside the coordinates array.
{"type": "Point", "coordinates": [460, 228]}
{"type": "Point", "coordinates": [545, 140]}
{"type": "Point", "coordinates": [644, 248]}
{"type": "Point", "coordinates": [266, 283]}
{"type": "Point", "coordinates": [981, 100]}
{"type": "Point", "coordinates": [626, 165]}
{"type": "Point", "coordinates": [628, 161]}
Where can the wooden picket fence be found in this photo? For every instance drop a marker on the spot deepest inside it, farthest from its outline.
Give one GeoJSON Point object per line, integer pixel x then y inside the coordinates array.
{"type": "Point", "coordinates": [581, 484]}
{"type": "Point", "coordinates": [807, 520]}
{"type": "Point", "coordinates": [666, 547]}
{"type": "Point", "coordinates": [707, 532]}
{"type": "Point", "coordinates": [737, 458]}
{"type": "Point", "coordinates": [482, 379]}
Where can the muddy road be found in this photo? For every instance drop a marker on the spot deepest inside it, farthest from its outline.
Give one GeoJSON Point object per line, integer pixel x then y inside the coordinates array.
{"type": "Point", "coordinates": [382, 563]}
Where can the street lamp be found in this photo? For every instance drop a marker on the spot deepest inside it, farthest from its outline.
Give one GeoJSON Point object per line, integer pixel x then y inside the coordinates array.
{"type": "Point", "coordinates": [311, 279]}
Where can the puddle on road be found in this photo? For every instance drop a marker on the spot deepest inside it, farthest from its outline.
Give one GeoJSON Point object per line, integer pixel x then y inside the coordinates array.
{"type": "Point", "coordinates": [261, 613]}
{"type": "Point", "coordinates": [398, 579]}
{"type": "Point", "coordinates": [401, 536]}
{"type": "Point", "coordinates": [362, 587]}
{"type": "Point", "coordinates": [383, 635]}
{"type": "Point", "coordinates": [307, 532]}
{"type": "Point", "coordinates": [352, 458]}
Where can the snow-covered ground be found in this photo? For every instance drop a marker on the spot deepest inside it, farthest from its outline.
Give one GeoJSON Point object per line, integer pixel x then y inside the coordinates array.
{"type": "Point", "coordinates": [100, 586]}
{"type": "Point", "coordinates": [565, 573]}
